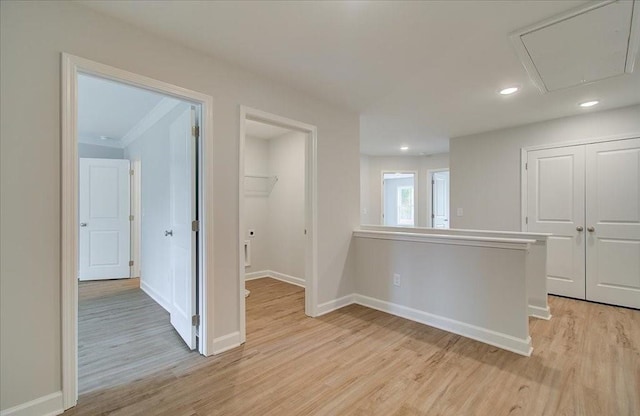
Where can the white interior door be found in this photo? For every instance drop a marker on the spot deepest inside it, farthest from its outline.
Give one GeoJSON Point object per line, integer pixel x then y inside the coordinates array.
{"type": "Point", "coordinates": [555, 204]}
{"type": "Point", "coordinates": [440, 199]}
{"type": "Point", "coordinates": [104, 250]}
{"type": "Point", "coordinates": [613, 221]}
{"type": "Point", "coordinates": [183, 238]}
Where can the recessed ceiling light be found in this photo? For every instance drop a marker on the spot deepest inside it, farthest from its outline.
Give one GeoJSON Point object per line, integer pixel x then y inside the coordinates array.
{"type": "Point", "coordinates": [589, 103]}
{"type": "Point", "coordinates": [509, 91]}
{"type": "Point", "coordinates": [404, 148]}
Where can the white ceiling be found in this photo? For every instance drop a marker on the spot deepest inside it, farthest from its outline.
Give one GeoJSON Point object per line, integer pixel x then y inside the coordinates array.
{"type": "Point", "coordinates": [417, 72]}
{"type": "Point", "coordinates": [264, 131]}
{"type": "Point", "coordinates": [110, 109]}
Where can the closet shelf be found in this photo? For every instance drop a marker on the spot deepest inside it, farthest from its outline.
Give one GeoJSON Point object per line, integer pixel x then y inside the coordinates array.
{"type": "Point", "coordinates": [259, 185]}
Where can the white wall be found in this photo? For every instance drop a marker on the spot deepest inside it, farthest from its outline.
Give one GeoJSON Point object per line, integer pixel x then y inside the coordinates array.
{"type": "Point", "coordinates": [256, 204]}
{"type": "Point", "coordinates": [365, 190]}
{"type": "Point", "coordinates": [372, 187]}
{"type": "Point", "coordinates": [278, 217]}
{"type": "Point", "coordinates": [153, 150]}
{"type": "Point", "coordinates": [101, 152]}
{"type": "Point", "coordinates": [485, 168]}
{"type": "Point", "coordinates": [30, 306]}
{"type": "Point", "coordinates": [286, 205]}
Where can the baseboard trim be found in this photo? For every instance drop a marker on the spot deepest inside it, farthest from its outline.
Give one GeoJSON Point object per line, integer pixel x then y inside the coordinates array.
{"type": "Point", "coordinates": [256, 275]}
{"type": "Point", "coordinates": [332, 305]}
{"type": "Point", "coordinates": [155, 296]}
{"type": "Point", "coordinates": [497, 339]}
{"type": "Point", "coordinates": [540, 312]}
{"type": "Point", "coordinates": [49, 405]}
{"type": "Point", "coordinates": [286, 278]}
{"type": "Point", "coordinates": [226, 342]}
{"type": "Point", "coordinates": [275, 275]}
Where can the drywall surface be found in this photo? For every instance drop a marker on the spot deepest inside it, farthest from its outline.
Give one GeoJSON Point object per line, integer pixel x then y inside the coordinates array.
{"type": "Point", "coordinates": [30, 304]}
{"type": "Point", "coordinates": [153, 150]}
{"type": "Point", "coordinates": [485, 168]}
{"type": "Point", "coordinates": [256, 202]}
{"type": "Point", "coordinates": [100, 152]}
{"type": "Point", "coordinates": [481, 286]}
{"type": "Point", "coordinates": [278, 215]}
{"type": "Point", "coordinates": [374, 166]}
{"type": "Point", "coordinates": [286, 205]}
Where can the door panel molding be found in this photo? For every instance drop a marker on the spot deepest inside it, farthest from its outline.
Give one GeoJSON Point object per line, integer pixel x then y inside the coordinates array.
{"type": "Point", "coordinates": [611, 208]}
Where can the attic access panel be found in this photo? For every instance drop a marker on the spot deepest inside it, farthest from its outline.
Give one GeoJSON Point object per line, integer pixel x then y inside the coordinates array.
{"type": "Point", "coordinates": [584, 45]}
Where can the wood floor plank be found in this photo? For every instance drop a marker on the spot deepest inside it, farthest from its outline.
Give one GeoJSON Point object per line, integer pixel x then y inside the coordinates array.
{"type": "Point", "coordinates": [354, 361]}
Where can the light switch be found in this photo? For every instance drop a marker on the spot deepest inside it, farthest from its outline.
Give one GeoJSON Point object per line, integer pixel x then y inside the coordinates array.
{"type": "Point", "coordinates": [459, 212]}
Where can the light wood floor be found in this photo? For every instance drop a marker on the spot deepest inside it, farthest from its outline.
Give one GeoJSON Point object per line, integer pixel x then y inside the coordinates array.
{"type": "Point", "coordinates": [357, 361]}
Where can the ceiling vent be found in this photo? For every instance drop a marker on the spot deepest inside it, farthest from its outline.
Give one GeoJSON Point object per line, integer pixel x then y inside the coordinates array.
{"type": "Point", "coordinates": [584, 45]}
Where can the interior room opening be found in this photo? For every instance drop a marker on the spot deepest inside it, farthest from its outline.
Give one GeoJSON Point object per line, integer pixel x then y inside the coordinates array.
{"type": "Point", "coordinates": [138, 242]}
{"type": "Point", "coordinates": [275, 217]}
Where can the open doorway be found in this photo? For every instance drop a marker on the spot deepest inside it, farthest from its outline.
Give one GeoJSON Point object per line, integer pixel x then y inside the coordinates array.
{"type": "Point", "coordinates": [277, 209]}
{"type": "Point", "coordinates": [398, 199]}
{"type": "Point", "coordinates": [137, 243]}
{"type": "Point", "coordinates": [438, 184]}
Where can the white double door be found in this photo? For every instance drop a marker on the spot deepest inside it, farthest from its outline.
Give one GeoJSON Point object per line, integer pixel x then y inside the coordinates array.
{"type": "Point", "coordinates": [588, 197]}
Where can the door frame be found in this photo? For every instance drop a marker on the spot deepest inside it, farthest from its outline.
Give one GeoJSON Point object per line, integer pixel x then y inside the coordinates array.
{"type": "Point", "coordinates": [430, 173]}
{"type": "Point", "coordinates": [523, 164]}
{"type": "Point", "coordinates": [416, 194]}
{"type": "Point", "coordinates": [71, 67]}
{"type": "Point", "coordinates": [311, 210]}
{"type": "Point", "coordinates": [136, 212]}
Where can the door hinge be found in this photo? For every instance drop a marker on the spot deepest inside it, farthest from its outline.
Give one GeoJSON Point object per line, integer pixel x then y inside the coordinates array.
{"type": "Point", "coordinates": [433, 216]}
{"type": "Point", "coordinates": [433, 182]}
{"type": "Point", "coordinates": [130, 217]}
{"type": "Point", "coordinates": [526, 220]}
{"type": "Point", "coordinates": [131, 172]}
{"type": "Point", "coordinates": [195, 320]}
{"type": "Point", "coordinates": [526, 166]}
{"type": "Point", "coordinates": [195, 131]}
{"type": "Point", "coordinates": [195, 225]}
{"type": "Point", "coordinates": [130, 263]}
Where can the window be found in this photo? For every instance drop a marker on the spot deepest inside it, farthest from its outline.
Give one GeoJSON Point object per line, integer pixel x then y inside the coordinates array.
{"type": "Point", "coordinates": [398, 199]}
{"type": "Point", "coordinates": [405, 205]}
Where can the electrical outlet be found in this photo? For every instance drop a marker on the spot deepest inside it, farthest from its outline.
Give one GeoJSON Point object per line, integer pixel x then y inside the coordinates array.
{"type": "Point", "coordinates": [396, 279]}
{"type": "Point", "coordinates": [459, 212]}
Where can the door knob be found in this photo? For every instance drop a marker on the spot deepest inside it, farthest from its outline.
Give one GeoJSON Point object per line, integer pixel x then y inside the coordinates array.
{"type": "Point", "coordinates": [168, 233]}
{"type": "Point", "coordinates": [83, 224]}
{"type": "Point", "coordinates": [580, 228]}
{"type": "Point", "coordinates": [591, 229]}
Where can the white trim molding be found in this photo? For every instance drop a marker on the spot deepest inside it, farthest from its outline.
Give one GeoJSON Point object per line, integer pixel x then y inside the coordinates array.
{"type": "Point", "coordinates": [540, 312]}
{"type": "Point", "coordinates": [226, 343]}
{"type": "Point", "coordinates": [49, 405]}
{"type": "Point", "coordinates": [275, 275]}
{"type": "Point", "coordinates": [310, 280]}
{"type": "Point", "coordinates": [71, 67]}
{"type": "Point", "coordinates": [333, 305]}
{"type": "Point", "coordinates": [493, 242]}
{"type": "Point", "coordinates": [155, 296]}
{"type": "Point", "coordinates": [497, 339]}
